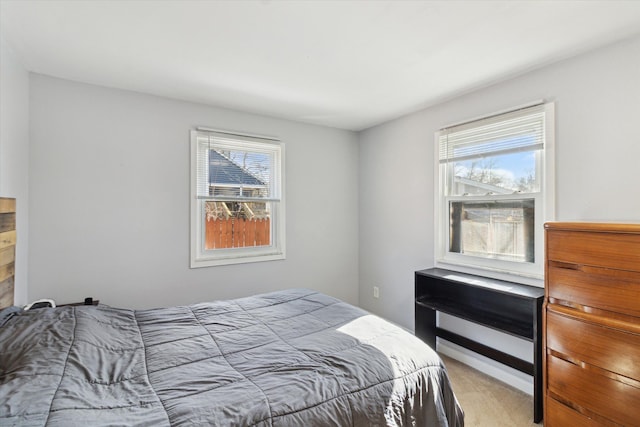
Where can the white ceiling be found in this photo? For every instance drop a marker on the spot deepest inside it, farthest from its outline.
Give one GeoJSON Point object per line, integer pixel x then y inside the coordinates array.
{"type": "Point", "coordinates": [345, 64]}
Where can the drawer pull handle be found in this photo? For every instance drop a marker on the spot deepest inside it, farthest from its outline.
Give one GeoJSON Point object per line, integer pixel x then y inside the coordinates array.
{"type": "Point", "coordinates": [565, 265]}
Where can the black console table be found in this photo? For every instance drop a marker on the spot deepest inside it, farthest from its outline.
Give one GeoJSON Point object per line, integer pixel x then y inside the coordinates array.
{"type": "Point", "coordinates": [508, 307]}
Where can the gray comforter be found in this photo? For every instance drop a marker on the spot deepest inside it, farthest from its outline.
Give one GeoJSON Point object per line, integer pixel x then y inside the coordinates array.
{"type": "Point", "coordinates": [290, 358]}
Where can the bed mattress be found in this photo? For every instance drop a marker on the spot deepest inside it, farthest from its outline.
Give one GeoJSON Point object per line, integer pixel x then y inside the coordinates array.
{"type": "Point", "coordinates": [289, 358]}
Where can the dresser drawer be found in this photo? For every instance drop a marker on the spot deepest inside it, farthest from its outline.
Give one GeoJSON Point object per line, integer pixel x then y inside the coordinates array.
{"type": "Point", "coordinates": [589, 389]}
{"type": "Point", "coordinates": [602, 288]}
{"type": "Point", "coordinates": [559, 415]}
{"type": "Point", "coordinates": [607, 348]}
{"type": "Point", "coordinates": [611, 250]}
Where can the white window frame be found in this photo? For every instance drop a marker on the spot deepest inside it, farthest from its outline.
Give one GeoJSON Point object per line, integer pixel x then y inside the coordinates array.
{"type": "Point", "coordinates": [201, 257]}
{"type": "Point", "coordinates": [544, 208]}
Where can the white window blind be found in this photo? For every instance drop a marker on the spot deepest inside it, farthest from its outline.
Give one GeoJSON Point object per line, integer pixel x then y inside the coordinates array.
{"type": "Point", "coordinates": [247, 164]}
{"type": "Point", "coordinates": [516, 131]}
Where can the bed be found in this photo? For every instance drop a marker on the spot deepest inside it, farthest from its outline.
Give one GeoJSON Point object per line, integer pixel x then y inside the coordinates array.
{"type": "Point", "coordinates": [289, 358]}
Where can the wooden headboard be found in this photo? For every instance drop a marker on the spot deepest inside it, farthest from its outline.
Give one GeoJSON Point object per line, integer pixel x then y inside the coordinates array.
{"type": "Point", "coordinates": [7, 250]}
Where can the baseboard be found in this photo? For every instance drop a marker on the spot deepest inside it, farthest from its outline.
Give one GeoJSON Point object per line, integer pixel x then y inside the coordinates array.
{"type": "Point", "coordinates": [490, 367]}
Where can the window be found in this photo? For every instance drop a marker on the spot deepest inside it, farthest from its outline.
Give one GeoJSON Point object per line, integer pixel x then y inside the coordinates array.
{"type": "Point", "coordinates": [237, 208]}
{"type": "Point", "coordinates": [495, 190]}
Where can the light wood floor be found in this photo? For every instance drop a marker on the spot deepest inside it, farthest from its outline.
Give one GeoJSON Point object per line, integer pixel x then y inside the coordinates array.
{"type": "Point", "coordinates": [486, 401]}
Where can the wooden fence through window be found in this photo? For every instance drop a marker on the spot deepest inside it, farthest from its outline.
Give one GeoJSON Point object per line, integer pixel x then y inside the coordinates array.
{"type": "Point", "coordinates": [237, 233]}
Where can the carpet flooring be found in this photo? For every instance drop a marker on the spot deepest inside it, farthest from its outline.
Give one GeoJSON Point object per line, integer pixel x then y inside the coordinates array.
{"type": "Point", "coordinates": [486, 401]}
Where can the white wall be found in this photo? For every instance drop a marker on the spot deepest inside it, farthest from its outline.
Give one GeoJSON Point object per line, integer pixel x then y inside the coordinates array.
{"type": "Point", "coordinates": [597, 99]}
{"type": "Point", "coordinates": [110, 201]}
{"type": "Point", "coordinates": [14, 155]}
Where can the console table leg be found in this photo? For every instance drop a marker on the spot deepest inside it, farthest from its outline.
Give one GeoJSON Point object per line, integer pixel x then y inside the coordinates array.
{"type": "Point", "coordinates": [425, 321]}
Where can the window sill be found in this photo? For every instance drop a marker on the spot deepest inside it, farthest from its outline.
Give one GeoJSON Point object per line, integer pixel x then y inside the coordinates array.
{"type": "Point", "coordinates": [526, 278]}
{"type": "Point", "coordinates": [214, 262]}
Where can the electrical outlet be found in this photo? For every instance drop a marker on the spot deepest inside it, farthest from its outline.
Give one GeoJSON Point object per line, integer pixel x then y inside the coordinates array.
{"type": "Point", "coordinates": [376, 292]}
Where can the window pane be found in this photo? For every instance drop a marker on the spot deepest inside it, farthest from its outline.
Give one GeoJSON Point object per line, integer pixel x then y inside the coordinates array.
{"type": "Point", "coordinates": [502, 230]}
{"type": "Point", "coordinates": [499, 174]}
{"type": "Point", "coordinates": [232, 224]}
{"type": "Point", "coordinates": [239, 173]}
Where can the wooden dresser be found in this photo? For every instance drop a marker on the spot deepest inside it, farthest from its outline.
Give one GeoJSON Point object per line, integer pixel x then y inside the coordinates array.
{"type": "Point", "coordinates": [591, 325]}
